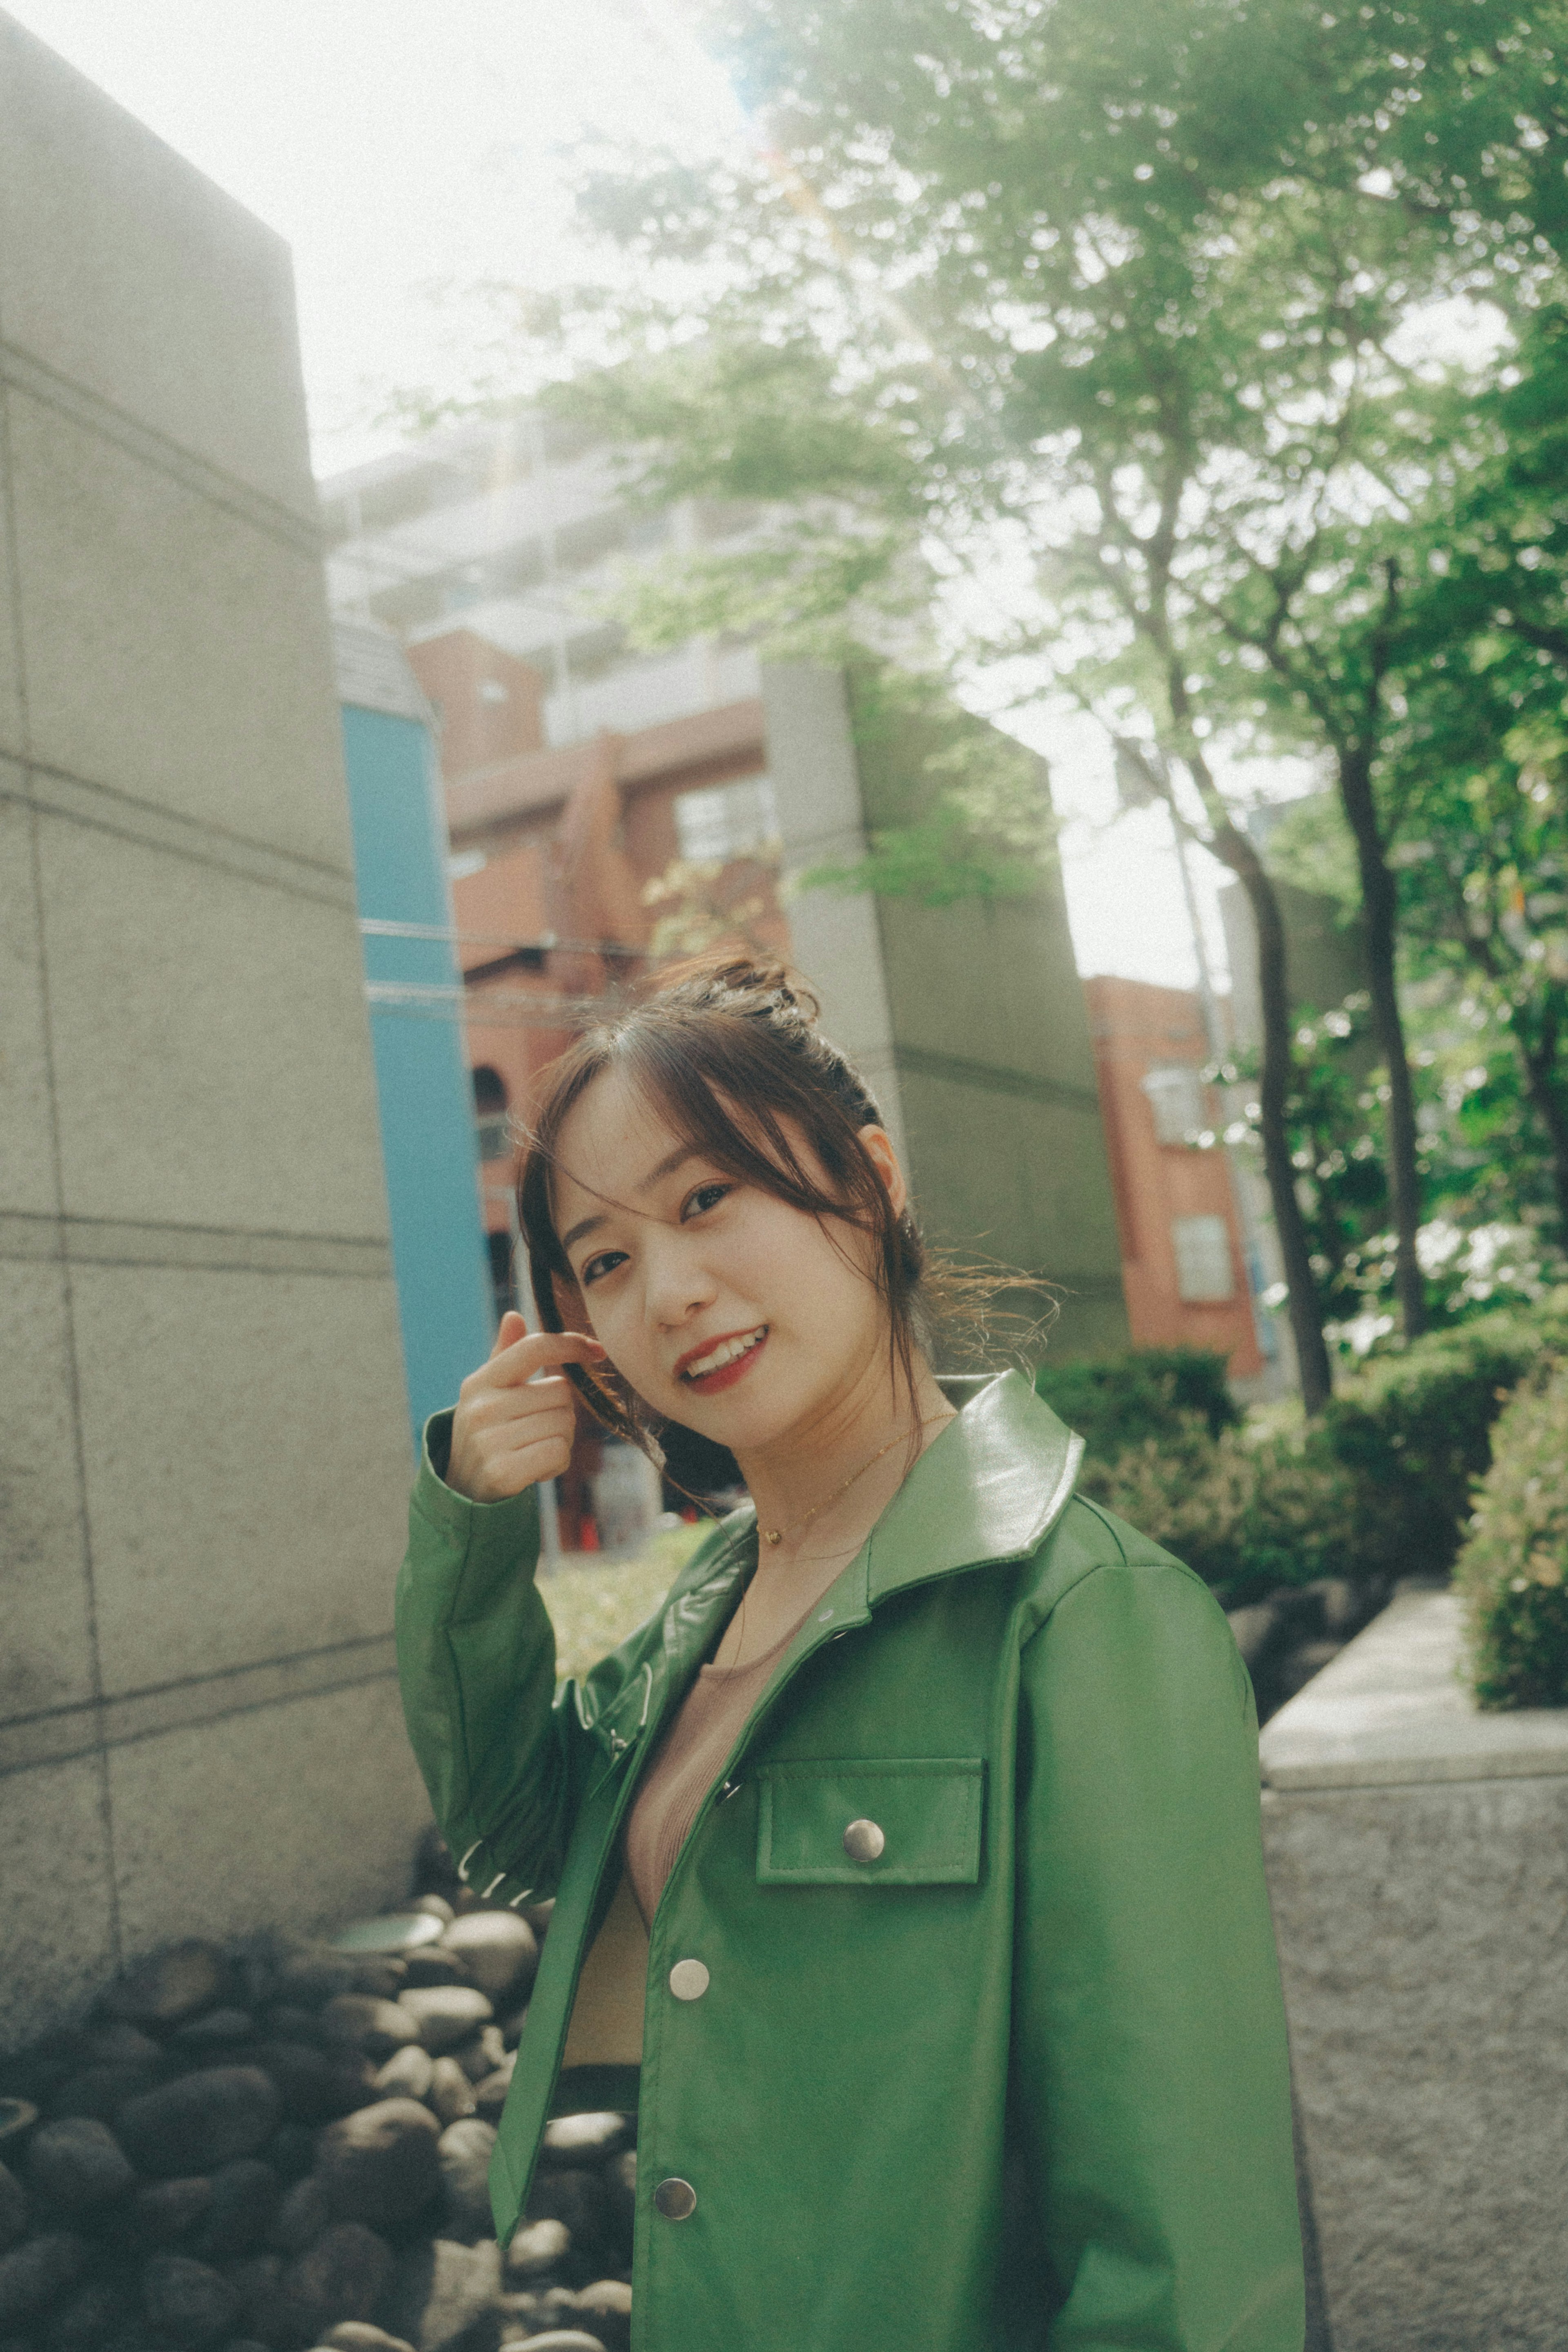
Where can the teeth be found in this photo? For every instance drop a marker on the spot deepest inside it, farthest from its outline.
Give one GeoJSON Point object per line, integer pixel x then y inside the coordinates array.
{"type": "Point", "coordinates": [725, 1353]}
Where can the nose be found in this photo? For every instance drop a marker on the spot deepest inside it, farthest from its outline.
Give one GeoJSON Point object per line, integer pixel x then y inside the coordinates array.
{"type": "Point", "coordinates": [678, 1284]}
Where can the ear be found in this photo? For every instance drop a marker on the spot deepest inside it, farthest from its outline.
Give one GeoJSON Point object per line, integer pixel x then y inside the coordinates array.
{"type": "Point", "coordinates": [878, 1146]}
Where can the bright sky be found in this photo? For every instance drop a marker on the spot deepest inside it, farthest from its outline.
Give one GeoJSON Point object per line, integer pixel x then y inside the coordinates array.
{"type": "Point", "coordinates": [408, 149]}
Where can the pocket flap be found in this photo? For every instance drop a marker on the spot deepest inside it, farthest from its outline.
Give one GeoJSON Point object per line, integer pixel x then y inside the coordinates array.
{"type": "Point", "coordinates": [926, 1810]}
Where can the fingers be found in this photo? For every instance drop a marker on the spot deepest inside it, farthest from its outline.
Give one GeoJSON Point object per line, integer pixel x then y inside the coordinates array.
{"type": "Point", "coordinates": [526, 1353]}
{"type": "Point", "coordinates": [513, 1329]}
{"type": "Point", "coordinates": [505, 1439]}
{"type": "Point", "coordinates": [528, 1465]}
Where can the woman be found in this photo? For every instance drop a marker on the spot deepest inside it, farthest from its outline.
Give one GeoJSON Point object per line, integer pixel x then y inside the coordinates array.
{"type": "Point", "coordinates": [910, 1850]}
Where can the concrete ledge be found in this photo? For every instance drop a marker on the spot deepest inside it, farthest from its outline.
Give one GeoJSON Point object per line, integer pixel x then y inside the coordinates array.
{"type": "Point", "coordinates": [1417, 1857]}
{"type": "Point", "coordinates": [1392, 1709]}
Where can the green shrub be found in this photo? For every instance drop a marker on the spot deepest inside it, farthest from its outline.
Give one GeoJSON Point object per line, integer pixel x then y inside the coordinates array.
{"type": "Point", "coordinates": [1114, 1401]}
{"type": "Point", "coordinates": [1414, 1428]}
{"type": "Point", "coordinates": [1514, 1569]}
{"type": "Point", "coordinates": [1246, 1516]}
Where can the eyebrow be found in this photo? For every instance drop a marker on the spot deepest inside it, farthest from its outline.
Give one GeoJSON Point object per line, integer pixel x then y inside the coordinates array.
{"type": "Point", "coordinates": [666, 1167]}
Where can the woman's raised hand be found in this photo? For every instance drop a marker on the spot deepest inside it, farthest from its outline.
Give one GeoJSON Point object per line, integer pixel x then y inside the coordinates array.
{"type": "Point", "coordinates": [511, 1429]}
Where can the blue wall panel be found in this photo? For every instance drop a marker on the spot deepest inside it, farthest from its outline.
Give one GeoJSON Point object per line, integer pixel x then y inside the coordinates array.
{"type": "Point", "coordinates": [444, 1298]}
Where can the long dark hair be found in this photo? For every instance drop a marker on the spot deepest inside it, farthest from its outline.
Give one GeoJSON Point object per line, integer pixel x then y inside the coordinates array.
{"type": "Point", "coordinates": [730, 1052]}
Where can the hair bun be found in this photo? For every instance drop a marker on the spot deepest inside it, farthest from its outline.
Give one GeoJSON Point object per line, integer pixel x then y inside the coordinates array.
{"type": "Point", "coordinates": [771, 986]}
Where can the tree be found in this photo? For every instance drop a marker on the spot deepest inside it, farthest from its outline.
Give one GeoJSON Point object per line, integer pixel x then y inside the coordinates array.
{"type": "Point", "coordinates": [1109, 295]}
{"type": "Point", "coordinates": [1487, 870]}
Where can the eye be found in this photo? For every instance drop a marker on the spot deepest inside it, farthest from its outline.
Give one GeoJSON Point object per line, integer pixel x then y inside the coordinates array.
{"type": "Point", "coordinates": [595, 1268]}
{"type": "Point", "coordinates": [705, 1197]}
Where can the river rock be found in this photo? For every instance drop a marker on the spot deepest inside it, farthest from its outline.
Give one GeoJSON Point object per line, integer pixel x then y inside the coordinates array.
{"type": "Point", "coordinates": [169, 1987]}
{"type": "Point", "coordinates": [12, 2208]}
{"type": "Point", "coordinates": [537, 2248]}
{"type": "Point", "coordinates": [310, 1978]}
{"type": "Point", "coordinates": [490, 2095]}
{"type": "Point", "coordinates": [385, 1978]}
{"type": "Point", "coordinates": [365, 2022]}
{"type": "Point", "coordinates": [315, 2085]}
{"type": "Point", "coordinates": [464, 2150]}
{"type": "Point", "coordinates": [33, 2275]}
{"type": "Point", "coordinates": [445, 2016]}
{"type": "Point", "coordinates": [619, 2179]}
{"type": "Point", "coordinates": [78, 2164]}
{"type": "Point", "coordinates": [165, 2210]}
{"type": "Point", "coordinates": [359, 2335]}
{"type": "Point", "coordinates": [245, 2196]}
{"type": "Point", "coordinates": [450, 2093]}
{"type": "Point", "coordinates": [198, 2122]}
{"type": "Point", "coordinates": [585, 2140]}
{"type": "Point", "coordinates": [118, 2043]}
{"type": "Point", "coordinates": [217, 2030]}
{"type": "Point", "coordinates": [576, 2198]}
{"type": "Point", "coordinates": [380, 2166]}
{"type": "Point", "coordinates": [499, 1951]}
{"type": "Point", "coordinates": [101, 2091]}
{"type": "Point", "coordinates": [17, 2116]}
{"type": "Point", "coordinates": [290, 2020]}
{"type": "Point", "coordinates": [399, 1932]}
{"type": "Point", "coordinates": [434, 1966]}
{"type": "Point", "coordinates": [189, 2300]}
{"type": "Point", "coordinates": [441, 2290]}
{"type": "Point", "coordinates": [408, 2073]}
{"type": "Point", "coordinates": [90, 2318]}
{"type": "Point", "coordinates": [339, 2278]}
{"type": "Point", "coordinates": [482, 2054]}
{"type": "Point", "coordinates": [305, 2212]}
{"type": "Point", "coordinates": [254, 2279]}
{"type": "Point", "coordinates": [291, 2152]}
{"type": "Point", "coordinates": [606, 2308]}
{"type": "Point", "coordinates": [563, 2339]}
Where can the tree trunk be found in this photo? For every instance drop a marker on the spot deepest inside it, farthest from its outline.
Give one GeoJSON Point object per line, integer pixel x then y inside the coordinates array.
{"type": "Point", "coordinates": [1235, 849]}
{"type": "Point", "coordinates": [1380, 906]}
{"type": "Point", "coordinates": [1538, 1059]}
{"type": "Point", "coordinates": [1306, 1314]}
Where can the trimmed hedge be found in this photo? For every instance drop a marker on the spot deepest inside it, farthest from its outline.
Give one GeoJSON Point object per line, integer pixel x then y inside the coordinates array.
{"type": "Point", "coordinates": [1513, 1568]}
{"type": "Point", "coordinates": [1114, 1401]}
{"type": "Point", "coordinates": [1246, 1517]}
{"type": "Point", "coordinates": [1414, 1428]}
{"type": "Point", "coordinates": [1378, 1488]}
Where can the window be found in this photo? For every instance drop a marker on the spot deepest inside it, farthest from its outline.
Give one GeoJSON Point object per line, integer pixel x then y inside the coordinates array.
{"type": "Point", "coordinates": [1205, 1275]}
{"type": "Point", "coordinates": [490, 1112]}
{"type": "Point", "coordinates": [1176, 1097]}
{"type": "Point", "coordinates": [727, 821]}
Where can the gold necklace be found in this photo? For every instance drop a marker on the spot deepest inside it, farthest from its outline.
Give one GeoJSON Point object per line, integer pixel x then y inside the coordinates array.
{"type": "Point", "coordinates": [776, 1535]}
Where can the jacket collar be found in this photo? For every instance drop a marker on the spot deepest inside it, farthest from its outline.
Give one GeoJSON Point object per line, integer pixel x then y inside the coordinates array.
{"type": "Point", "coordinates": [990, 1487]}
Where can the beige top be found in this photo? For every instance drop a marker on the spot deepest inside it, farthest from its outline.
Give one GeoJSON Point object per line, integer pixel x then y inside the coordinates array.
{"type": "Point", "coordinates": [690, 1759]}
{"type": "Point", "coordinates": [606, 2017]}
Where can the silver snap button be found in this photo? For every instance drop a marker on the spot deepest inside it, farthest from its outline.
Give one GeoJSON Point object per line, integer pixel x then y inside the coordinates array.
{"type": "Point", "coordinates": [675, 2198]}
{"type": "Point", "coordinates": [863, 1842]}
{"type": "Point", "coordinates": [689, 1980]}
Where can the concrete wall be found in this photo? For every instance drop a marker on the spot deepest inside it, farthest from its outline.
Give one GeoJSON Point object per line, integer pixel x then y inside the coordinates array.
{"type": "Point", "coordinates": [201, 1411]}
{"type": "Point", "coordinates": [1418, 1861]}
{"type": "Point", "coordinates": [968, 1021]}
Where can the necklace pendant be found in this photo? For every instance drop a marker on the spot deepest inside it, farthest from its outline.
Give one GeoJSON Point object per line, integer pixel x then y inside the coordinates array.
{"type": "Point", "coordinates": [774, 1535]}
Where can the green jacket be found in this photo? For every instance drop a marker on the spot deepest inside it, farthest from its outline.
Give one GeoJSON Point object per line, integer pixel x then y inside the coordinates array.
{"type": "Point", "coordinates": [1019, 2081]}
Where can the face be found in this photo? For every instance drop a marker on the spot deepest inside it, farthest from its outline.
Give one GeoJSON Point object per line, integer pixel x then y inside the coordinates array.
{"type": "Point", "coordinates": [721, 1305]}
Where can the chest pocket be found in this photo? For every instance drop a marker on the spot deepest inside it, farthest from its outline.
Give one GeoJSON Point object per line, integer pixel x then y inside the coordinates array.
{"type": "Point", "coordinates": [871, 1821]}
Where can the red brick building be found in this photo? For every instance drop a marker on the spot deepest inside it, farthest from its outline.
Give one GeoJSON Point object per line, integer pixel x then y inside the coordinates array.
{"type": "Point", "coordinates": [1184, 1255]}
